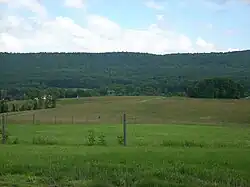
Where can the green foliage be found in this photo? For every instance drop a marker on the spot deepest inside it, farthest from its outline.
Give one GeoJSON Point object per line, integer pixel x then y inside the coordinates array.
{"type": "Point", "coordinates": [12, 140]}
{"type": "Point", "coordinates": [216, 88]}
{"type": "Point", "coordinates": [91, 140]}
{"type": "Point", "coordinates": [184, 143]}
{"type": "Point", "coordinates": [6, 135]}
{"type": "Point", "coordinates": [120, 140]}
{"type": "Point", "coordinates": [30, 104]}
{"type": "Point", "coordinates": [44, 140]}
{"type": "Point", "coordinates": [123, 73]}
{"type": "Point", "coordinates": [53, 103]}
{"type": "Point", "coordinates": [35, 101]}
{"type": "Point", "coordinates": [4, 107]}
{"type": "Point", "coordinates": [101, 140]}
{"type": "Point", "coordinates": [15, 141]}
{"type": "Point", "coordinates": [14, 107]}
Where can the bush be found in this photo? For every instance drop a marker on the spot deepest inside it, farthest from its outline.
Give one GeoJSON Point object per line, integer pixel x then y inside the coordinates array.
{"type": "Point", "coordinates": [13, 141]}
{"type": "Point", "coordinates": [120, 140]}
{"type": "Point", "coordinates": [101, 140]}
{"type": "Point", "coordinates": [7, 134]}
{"type": "Point", "coordinates": [168, 143]}
{"type": "Point", "coordinates": [184, 143]}
{"type": "Point", "coordinates": [42, 140]}
{"type": "Point", "coordinates": [91, 138]}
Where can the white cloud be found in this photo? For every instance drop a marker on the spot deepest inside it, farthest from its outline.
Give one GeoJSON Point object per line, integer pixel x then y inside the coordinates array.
{"type": "Point", "coordinates": [205, 46]}
{"type": "Point", "coordinates": [233, 49]}
{"type": "Point", "coordinates": [100, 35]}
{"type": "Point", "coordinates": [34, 6]}
{"type": "Point", "coordinates": [62, 34]}
{"type": "Point", "coordinates": [74, 3]}
{"type": "Point", "coordinates": [153, 4]}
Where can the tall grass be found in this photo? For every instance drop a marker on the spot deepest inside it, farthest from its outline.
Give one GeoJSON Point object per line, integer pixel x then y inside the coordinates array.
{"type": "Point", "coordinates": [156, 155]}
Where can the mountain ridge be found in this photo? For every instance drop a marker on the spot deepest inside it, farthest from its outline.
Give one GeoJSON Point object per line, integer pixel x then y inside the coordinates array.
{"type": "Point", "coordinates": [95, 70]}
{"type": "Point", "coordinates": [177, 53]}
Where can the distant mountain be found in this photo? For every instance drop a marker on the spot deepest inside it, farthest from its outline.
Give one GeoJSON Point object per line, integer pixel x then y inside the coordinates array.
{"type": "Point", "coordinates": [94, 70]}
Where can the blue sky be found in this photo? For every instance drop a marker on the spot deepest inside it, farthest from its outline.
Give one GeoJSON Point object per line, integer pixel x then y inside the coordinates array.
{"type": "Point", "coordinates": [155, 26]}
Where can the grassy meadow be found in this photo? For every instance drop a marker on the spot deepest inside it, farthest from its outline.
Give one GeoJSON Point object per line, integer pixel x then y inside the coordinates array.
{"type": "Point", "coordinates": [162, 150]}
{"type": "Point", "coordinates": [139, 110]}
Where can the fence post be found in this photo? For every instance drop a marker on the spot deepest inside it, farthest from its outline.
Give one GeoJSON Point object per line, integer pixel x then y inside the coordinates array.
{"type": "Point", "coordinates": [34, 118]}
{"type": "Point", "coordinates": [6, 118]}
{"type": "Point", "coordinates": [3, 129]}
{"type": "Point", "coordinates": [72, 119]}
{"type": "Point", "coordinates": [55, 120]}
{"type": "Point", "coordinates": [124, 130]}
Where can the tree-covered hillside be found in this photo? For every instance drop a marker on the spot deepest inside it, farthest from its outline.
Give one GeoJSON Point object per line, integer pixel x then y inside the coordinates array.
{"type": "Point", "coordinates": [89, 70]}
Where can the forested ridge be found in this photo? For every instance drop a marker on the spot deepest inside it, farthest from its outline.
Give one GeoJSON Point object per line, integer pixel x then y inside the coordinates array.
{"type": "Point", "coordinates": [136, 71]}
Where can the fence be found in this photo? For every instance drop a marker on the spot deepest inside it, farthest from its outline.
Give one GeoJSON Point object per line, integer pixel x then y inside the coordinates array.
{"type": "Point", "coordinates": [4, 118]}
{"type": "Point", "coordinates": [36, 119]}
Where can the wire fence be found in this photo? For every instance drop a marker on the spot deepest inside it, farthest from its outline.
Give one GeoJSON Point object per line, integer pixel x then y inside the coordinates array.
{"type": "Point", "coordinates": [36, 119]}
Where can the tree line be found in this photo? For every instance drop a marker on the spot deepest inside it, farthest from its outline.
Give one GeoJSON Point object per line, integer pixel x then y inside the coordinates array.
{"type": "Point", "coordinates": [30, 104]}
{"type": "Point", "coordinates": [44, 98]}
{"type": "Point", "coordinates": [222, 88]}
{"type": "Point", "coordinates": [206, 88]}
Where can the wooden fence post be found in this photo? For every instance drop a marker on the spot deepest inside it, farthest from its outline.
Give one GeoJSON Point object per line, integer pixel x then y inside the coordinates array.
{"type": "Point", "coordinates": [124, 130]}
{"type": "Point", "coordinates": [33, 118]}
{"type": "Point", "coordinates": [72, 119]}
{"type": "Point", "coordinates": [3, 129]}
{"type": "Point", "coordinates": [6, 118]}
{"type": "Point", "coordinates": [55, 120]}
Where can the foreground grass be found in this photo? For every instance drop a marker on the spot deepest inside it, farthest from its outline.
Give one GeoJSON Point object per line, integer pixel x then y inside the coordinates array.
{"type": "Point", "coordinates": [119, 166]}
{"type": "Point", "coordinates": [156, 155]}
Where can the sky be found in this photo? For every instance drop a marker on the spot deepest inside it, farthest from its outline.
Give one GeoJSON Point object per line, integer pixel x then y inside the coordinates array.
{"type": "Point", "coordinates": [148, 26]}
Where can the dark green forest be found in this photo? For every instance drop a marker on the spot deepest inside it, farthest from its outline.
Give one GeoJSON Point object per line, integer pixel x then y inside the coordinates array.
{"type": "Point", "coordinates": [123, 73]}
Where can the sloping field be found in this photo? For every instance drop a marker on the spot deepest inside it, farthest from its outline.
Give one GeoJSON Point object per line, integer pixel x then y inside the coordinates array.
{"type": "Point", "coordinates": [139, 110]}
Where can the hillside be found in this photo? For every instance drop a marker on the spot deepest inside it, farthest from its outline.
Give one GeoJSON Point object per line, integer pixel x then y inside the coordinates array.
{"type": "Point", "coordinates": [91, 70]}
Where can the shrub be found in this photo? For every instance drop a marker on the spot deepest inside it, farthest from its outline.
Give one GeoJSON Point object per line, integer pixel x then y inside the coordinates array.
{"type": "Point", "coordinates": [168, 143]}
{"type": "Point", "coordinates": [184, 143]}
{"type": "Point", "coordinates": [102, 140]}
{"type": "Point", "coordinates": [42, 140]}
{"type": "Point", "coordinates": [120, 140]}
{"type": "Point", "coordinates": [91, 138]}
{"type": "Point", "coordinates": [15, 141]}
{"type": "Point", "coordinates": [7, 134]}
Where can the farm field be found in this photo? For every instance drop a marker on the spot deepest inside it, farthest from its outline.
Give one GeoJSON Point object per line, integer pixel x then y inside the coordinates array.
{"type": "Point", "coordinates": [163, 155]}
{"type": "Point", "coordinates": [139, 110]}
{"type": "Point", "coordinates": [171, 142]}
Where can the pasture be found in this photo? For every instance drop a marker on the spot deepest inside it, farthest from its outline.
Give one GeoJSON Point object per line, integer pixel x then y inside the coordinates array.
{"type": "Point", "coordinates": [171, 142]}
{"type": "Point", "coordinates": [140, 110]}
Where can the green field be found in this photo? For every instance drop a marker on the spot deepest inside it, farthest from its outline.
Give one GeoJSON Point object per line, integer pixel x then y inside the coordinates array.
{"type": "Point", "coordinates": [140, 110]}
{"type": "Point", "coordinates": [162, 150]}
